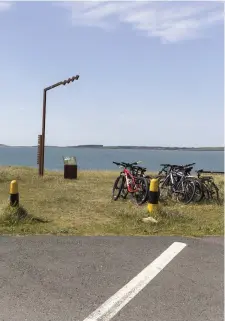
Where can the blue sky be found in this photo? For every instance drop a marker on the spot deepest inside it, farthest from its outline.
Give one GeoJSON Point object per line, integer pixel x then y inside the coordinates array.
{"type": "Point", "coordinates": [151, 73]}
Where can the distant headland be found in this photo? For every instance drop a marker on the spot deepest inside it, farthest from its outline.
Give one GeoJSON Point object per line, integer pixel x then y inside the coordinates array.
{"type": "Point", "coordinates": [150, 147]}
{"type": "Point", "coordinates": [133, 147]}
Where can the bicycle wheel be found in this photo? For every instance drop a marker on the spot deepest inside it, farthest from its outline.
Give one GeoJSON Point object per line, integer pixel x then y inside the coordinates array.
{"type": "Point", "coordinates": [205, 190]}
{"type": "Point", "coordinates": [117, 187]}
{"type": "Point", "coordinates": [210, 190]}
{"type": "Point", "coordinates": [199, 194]}
{"type": "Point", "coordinates": [163, 189]}
{"type": "Point", "coordinates": [141, 193]}
{"type": "Point", "coordinates": [124, 191]}
{"type": "Point", "coordinates": [185, 191]}
{"type": "Point", "coordinates": [214, 192]}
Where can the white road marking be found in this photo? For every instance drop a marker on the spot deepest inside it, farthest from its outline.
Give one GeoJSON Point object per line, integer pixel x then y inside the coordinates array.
{"type": "Point", "coordinates": [116, 302]}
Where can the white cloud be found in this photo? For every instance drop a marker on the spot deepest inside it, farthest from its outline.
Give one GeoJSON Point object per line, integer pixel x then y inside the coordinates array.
{"type": "Point", "coordinates": [5, 5]}
{"type": "Point", "coordinates": [169, 21]}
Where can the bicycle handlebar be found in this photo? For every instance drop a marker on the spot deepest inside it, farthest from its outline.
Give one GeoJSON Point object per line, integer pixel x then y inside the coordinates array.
{"type": "Point", "coordinates": [188, 165]}
{"type": "Point", "coordinates": [116, 163]}
{"type": "Point", "coordinates": [201, 171]}
{"type": "Point", "coordinates": [174, 167]}
{"type": "Point", "coordinates": [126, 164]}
{"type": "Point", "coordinates": [178, 166]}
{"type": "Point", "coordinates": [139, 167]}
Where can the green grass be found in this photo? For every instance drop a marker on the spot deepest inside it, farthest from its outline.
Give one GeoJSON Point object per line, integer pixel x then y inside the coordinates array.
{"type": "Point", "coordinates": [52, 205]}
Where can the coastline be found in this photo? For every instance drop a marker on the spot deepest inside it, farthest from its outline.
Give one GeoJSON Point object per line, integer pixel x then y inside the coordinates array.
{"type": "Point", "coordinates": [156, 148]}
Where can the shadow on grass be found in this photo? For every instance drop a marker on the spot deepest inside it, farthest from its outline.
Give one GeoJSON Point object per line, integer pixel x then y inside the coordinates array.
{"type": "Point", "coordinates": [18, 215]}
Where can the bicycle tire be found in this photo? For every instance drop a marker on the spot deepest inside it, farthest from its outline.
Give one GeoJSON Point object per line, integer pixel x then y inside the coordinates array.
{"type": "Point", "coordinates": [163, 189]}
{"type": "Point", "coordinates": [205, 189]}
{"type": "Point", "coordinates": [116, 187]}
{"type": "Point", "coordinates": [210, 190]}
{"type": "Point", "coordinates": [141, 195]}
{"type": "Point", "coordinates": [124, 191]}
{"type": "Point", "coordinates": [199, 194]}
{"type": "Point", "coordinates": [186, 196]}
{"type": "Point", "coordinates": [214, 192]}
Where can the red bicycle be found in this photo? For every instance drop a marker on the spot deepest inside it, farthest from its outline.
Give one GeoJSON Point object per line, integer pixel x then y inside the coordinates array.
{"type": "Point", "coordinates": [126, 183]}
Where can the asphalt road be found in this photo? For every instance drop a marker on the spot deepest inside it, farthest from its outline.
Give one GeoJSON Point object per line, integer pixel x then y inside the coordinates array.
{"type": "Point", "coordinates": [50, 278]}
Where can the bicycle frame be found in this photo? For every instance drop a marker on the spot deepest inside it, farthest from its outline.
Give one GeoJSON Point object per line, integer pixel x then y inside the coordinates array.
{"type": "Point", "coordinates": [130, 181]}
{"type": "Point", "coordinates": [166, 180]}
{"type": "Point", "coordinates": [169, 178]}
{"type": "Point", "coordinates": [174, 186]}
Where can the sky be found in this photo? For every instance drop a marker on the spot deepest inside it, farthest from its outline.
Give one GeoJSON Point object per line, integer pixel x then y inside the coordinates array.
{"type": "Point", "coordinates": [151, 73]}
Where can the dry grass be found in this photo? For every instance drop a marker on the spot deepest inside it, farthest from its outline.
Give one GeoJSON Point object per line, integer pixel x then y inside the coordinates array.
{"type": "Point", "coordinates": [84, 206]}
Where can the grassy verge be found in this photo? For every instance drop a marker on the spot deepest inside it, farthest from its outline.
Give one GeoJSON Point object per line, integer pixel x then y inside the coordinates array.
{"type": "Point", "coordinates": [52, 205]}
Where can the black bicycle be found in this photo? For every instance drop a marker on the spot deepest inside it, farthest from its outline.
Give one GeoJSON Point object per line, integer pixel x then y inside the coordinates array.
{"type": "Point", "coordinates": [174, 181]}
{"type": "Point", "coordinates": [186, 170]}
{"type": "Point", "coordinates": [209, 188]}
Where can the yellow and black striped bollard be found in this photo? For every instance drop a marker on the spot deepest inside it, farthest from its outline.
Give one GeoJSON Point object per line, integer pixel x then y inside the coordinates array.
{"type": "Point", "coordinates": [13, 194]}
{"type": "Point", "coordinates": [153, 198]}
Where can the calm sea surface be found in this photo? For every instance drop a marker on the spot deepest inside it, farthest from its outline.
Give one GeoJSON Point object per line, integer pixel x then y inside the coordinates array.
{"type": "Point", "coordinates": [92, 158]}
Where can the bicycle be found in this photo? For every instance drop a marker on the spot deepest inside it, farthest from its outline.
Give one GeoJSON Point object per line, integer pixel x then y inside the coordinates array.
{"type": "Point", "coordinates": [210, 189]}
{"type": "Point", "coordinates": [137, 171]}
{"type": "Point", "coordinates": [186, 170]}
{"type": "Point", "coordinates": [126, 183]}
{"type": "Point", "coordinates": [175, 181]}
